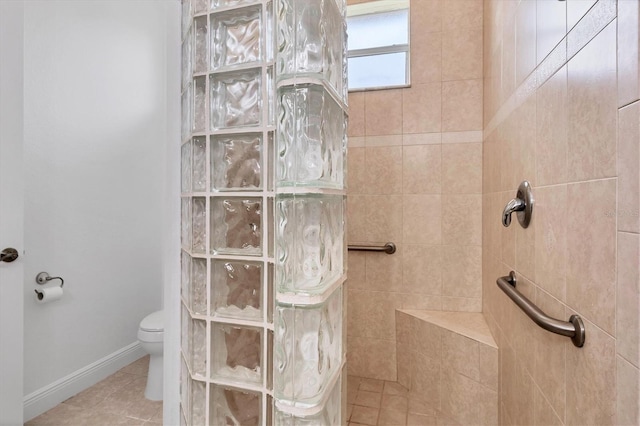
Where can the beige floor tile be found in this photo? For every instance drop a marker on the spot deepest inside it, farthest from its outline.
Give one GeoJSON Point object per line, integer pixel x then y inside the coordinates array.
{"type": "Point", "coordinates": [61, 414]}
{"type": "Point", "coordinates": [97, 418]}
{"type": "Point", "coordinates": [368, 399]}
{"type": "Point", "coordinates": [390, 417]}
{"type": "Point", "coordinates": [117, 400]}
{"type": "Point", "coordinates": [420, 420]}
{"type": "Point", "coordinates": [349, 411]}
{"type": "Point", "coordinates": [418, 405]}
{"type": "Point", "coordinates": [364, 415]}
{"type": "Point", "coordinates": [371, 385]}
{"type": "Point", "coordinates": [157, 417]}
{"type": "Point", "coordinates": [394, 403]}
{"type": "Point", "coordinates": [353, 382]}
{"type": "Point", "coordinates": [139, 367]}
{"type": "Point", "coordinates": [394, 388]}
{"type": "Point", "coordinates": [100, 391]}
{"type": "Point", "coordinates": [351, 395]}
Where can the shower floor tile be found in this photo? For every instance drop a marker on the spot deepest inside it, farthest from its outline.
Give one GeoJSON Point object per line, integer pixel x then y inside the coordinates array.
{"type": "Point", "coordinates": [117, 400]}
{"type": "Point", "coordinates": [373, 402]}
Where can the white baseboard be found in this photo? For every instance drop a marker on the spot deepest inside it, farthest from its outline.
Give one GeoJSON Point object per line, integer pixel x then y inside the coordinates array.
{"type": "Point", "coordinates": [53, 394]}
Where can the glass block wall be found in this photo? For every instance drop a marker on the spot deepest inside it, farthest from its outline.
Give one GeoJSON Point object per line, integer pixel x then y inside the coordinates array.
{"type": "Point", "coordinates": [263, 212]}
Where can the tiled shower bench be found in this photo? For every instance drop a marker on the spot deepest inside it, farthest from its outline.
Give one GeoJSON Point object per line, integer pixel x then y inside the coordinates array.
{"type": "Point", "coordinates": [451, 359]}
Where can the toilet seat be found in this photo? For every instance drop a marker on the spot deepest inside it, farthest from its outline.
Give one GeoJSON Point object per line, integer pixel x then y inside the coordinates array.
{"type": "Point", "coordinates": [153, 322]}
{"type": "Point", "coordinates": [150, 336]}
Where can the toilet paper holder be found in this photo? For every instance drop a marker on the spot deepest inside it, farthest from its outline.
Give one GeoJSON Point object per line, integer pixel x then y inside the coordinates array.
{"type": "Point", "coordinates": [42, 278]}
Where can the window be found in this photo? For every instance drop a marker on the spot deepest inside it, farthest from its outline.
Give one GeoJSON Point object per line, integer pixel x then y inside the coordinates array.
{"type": "Point", "coordinates": [378, 44]}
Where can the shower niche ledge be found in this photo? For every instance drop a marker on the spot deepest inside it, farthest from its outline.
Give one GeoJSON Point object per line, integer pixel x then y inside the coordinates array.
{"type": "Point", "coordinates": [451, 359]}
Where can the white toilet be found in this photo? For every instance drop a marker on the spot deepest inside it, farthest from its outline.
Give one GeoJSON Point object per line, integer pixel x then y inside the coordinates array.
{"type": "Point", "coordinates": [151, 337]}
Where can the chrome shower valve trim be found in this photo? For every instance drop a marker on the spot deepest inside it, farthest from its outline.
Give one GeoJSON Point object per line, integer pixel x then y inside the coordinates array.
{"type": "Point", "coordinates": [522, 205]}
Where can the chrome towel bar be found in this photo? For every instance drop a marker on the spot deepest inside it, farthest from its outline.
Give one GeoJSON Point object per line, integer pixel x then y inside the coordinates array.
{"type": "Point", "coordinates": [388, 248]}
{"type": "Point", "coordinates": [574, 328]}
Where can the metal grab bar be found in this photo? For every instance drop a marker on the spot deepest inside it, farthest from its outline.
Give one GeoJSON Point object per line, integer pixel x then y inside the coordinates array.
{"type": "Point", "coordinates": [574, 328]}
{"type": "Point", "coordinates": [388, 248]}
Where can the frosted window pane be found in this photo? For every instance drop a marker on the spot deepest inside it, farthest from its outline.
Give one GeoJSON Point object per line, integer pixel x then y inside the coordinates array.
{"type": "Point", "coordinates": [378, 29]}
{"type": "Point", "coordinates": [378, 70]}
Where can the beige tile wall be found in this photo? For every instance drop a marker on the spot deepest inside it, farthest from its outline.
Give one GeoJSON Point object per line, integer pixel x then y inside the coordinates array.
{"type": "Point", "coordinates": [562, 110]}
{"type": "Point", "coordinates": [415, 178]}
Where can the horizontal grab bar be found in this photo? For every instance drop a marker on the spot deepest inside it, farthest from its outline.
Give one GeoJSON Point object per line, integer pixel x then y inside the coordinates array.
{"type": "Point", "coordinates": [574, 328]}
{"type": "Point", "coordinates": [388, 248]}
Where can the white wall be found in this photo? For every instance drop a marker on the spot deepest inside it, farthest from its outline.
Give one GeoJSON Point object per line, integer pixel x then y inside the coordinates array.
{"type": "Point", "coordinates": [95, 145]}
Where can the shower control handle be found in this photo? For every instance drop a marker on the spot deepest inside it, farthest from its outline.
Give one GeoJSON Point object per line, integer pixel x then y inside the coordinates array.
{"type": "Point", "coordinates": [522, 205]}
{"type": "Point", "coordinates": [515, 205]}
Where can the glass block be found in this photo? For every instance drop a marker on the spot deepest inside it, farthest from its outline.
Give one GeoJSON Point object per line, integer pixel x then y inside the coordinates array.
{"type": "Point", "coordinates": [236, 162]}
{"type": "Point", "coordinates": [310, 40]}
{"type": "Point", "coordinates": [236, 353]}
{"type": "Point", "coordinates": [199, 104]}
{"type": "Point", "coordinates": [200, 6]}
{"type": "Point", "coordinates": [199, 286]}
{"type": "Point", "coordinates": [199, 347]}
{"type": "Point", "coordinates": [199, 167]}
{"type": "Point", "coordinates": [271, 294]}
{"type": "Point", "coordinates": [236, 99]}
{"type": "Point", "coordinates": [185, 223]}
{"type": "Point", "coordinates": [187, 60]}
{"type": "Point", "coordinates": [311, 138]}
{"type": "Point", "coordinates": [229, 406]}
{"type": "Point", "coordinates": [345, 62]}
{"type": "Point", "coordinates": [235, 37]}
{"type": "Point", "coordinates": [184, 386]}
{"type": "Point", "coordinates": [269, 32]}
{"type": "Point", "coordinates": [309, 243]}
{"type": "Point", "coordinates": [236, 226]}
{"type": "Point", "coordinates": [199, 211]}
{"type": "Point", "coordinates": [270, 160]}
{"type": "Point", "coordinates": [271, 89]}
{"type": "Point", "coordinates": [236, 289]}
{"type": "Point", "coordinates": [307, 350]}
{"type": "Point", "coordinates": [345, 301]}
{"type": "Point", "coordinates": [185, 167]}
{"type": "Point", "coordinates": [270, 359]}
{"type": "Point", "coordinates": [328, 414]}
{"type": "Point", "coordinates": [187, 112]}
{"type": "Point", "coordinates": [200, 63]}
{"type": "Point", "coordinates": [185, 287]}
{"type": "Point", "coordinates": [185, 330]}
{"type": "Point", "coordinates": [216, 4]}
{"type": "Point", "coordinates": [186, 16]}
{"type": "Point", "coordinates": [271, 225]}
{"type": "Point", "coordinates": [343, 385]}
{"type": "Point", "coordinates": [198, 402]}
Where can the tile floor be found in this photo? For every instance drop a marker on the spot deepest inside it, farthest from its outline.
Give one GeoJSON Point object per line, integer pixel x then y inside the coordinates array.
{"type": "Point", "coordinates": [117, 400]}
{"type": "Point", "coordinates": [378, 402]}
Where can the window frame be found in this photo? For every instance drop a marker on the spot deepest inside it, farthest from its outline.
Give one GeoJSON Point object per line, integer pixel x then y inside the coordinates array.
{"type": "Point", "coordinates": [380, 7]}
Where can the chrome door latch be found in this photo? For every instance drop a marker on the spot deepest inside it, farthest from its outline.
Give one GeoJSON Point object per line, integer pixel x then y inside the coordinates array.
{"type": "Point", "coordinates": [8, 255]}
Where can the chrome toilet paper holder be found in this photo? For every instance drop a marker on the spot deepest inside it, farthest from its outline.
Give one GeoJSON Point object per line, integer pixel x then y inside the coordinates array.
{"type": "Point", "coordinates": [42, 278]}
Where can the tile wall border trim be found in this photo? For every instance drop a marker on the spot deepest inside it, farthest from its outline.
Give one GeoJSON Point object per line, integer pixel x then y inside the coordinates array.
{"type": "Point", "coordinates": [412, 139]}
{"type": "Point", "coordinates": [603, 13]}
